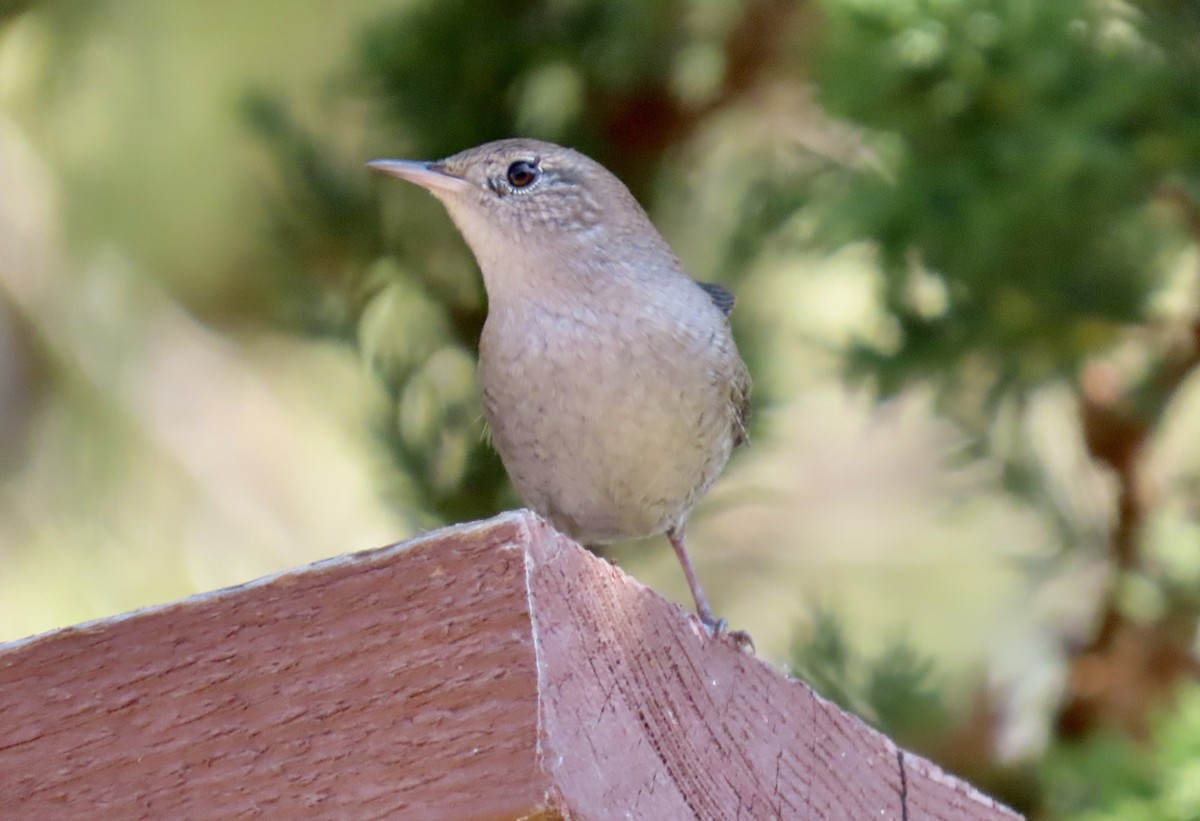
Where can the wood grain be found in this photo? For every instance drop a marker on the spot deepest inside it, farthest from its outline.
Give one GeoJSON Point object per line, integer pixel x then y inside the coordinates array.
{"type": "Point", "coordinates": [646, 714]}
{"type": "Point", "coordinates": [488, 671]}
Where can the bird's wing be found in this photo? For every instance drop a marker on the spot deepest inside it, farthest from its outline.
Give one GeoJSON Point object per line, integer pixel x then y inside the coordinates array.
{"type": "Point", "coordinates": [739, 397]}
{"type": "Point", "coordinates": [720, 297]}
{"type": "Point", "coordinates": [739, 386]}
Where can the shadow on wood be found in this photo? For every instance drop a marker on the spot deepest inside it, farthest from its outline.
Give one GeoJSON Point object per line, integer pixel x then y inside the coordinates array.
{"type": "Point", "coordinates": [487, 671]}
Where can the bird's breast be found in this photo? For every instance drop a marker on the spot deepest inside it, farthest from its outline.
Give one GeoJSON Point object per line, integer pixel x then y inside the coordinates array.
{"type": "Point", "coordinates": [611, 425]}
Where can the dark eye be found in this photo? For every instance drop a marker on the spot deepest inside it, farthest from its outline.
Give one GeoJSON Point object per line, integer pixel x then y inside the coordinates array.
{"type": "Point", "coordinates": [523, 174]}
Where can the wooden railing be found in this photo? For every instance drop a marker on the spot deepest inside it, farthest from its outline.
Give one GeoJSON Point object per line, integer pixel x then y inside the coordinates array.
{"type": "Point", "coordinates": [487, 671]}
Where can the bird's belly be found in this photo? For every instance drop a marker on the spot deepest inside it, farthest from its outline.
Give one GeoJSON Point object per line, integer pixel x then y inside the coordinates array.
{"type": "Point", "coordinates": [607, 450]}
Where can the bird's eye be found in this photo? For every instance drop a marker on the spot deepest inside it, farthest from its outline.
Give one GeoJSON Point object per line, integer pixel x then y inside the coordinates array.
{"type": "Point", "coordinates": [523, 174]}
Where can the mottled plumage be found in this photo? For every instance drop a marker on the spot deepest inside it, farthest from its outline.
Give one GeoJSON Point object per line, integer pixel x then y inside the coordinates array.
{"type": "Point", "coordinates": [611, 381]}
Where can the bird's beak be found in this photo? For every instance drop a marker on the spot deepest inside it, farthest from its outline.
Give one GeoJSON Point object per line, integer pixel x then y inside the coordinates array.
{"type": "Point", "coordinates": [430, 175]}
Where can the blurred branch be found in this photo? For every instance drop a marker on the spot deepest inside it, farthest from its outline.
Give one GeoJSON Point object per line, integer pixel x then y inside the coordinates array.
{"type": "Point", "coordinates": [1118, 423]}
{"type": "Point", "coordinates": [648, 122]}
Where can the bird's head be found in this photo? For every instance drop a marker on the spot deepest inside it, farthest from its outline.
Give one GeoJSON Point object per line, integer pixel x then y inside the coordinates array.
{"type": "Point", "coordinates": [520, 201]}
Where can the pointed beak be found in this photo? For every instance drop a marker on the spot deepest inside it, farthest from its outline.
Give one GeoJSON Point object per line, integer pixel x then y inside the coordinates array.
{"type": "Point", "coordinates": [430, 175]}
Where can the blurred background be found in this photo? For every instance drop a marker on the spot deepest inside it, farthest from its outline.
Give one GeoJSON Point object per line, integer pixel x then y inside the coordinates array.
{"type": "Point", "coordinates": [964, 238]}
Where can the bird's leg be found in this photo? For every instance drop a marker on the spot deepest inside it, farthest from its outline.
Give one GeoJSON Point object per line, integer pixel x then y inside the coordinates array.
{"type": "Point", "coordinates": [705, 612]}
{"type": "Point", "coordinates": [718, 626]}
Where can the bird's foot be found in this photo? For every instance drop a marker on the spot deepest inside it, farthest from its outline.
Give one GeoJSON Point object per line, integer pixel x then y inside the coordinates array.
{"type": "Point", "coordinates": [720, 627]}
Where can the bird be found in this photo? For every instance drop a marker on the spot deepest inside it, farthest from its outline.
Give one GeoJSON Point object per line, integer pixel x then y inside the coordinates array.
{"type": "Point", "coordinates": [611, 382]}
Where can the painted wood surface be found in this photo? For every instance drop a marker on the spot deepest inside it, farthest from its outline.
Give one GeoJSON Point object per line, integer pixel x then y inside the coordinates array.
{"type": "Point", "coordinates": [485, 671]}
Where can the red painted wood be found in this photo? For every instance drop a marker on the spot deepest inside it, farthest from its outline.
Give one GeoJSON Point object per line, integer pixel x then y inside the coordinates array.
{"type": "Point", "coordinates": [488, 671]}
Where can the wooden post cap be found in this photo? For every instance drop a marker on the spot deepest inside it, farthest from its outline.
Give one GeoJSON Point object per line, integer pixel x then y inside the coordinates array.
{"type": "Point", "coordinates": [487, 671]}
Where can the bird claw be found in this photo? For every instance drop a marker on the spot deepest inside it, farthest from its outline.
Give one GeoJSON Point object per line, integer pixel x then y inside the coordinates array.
{"type": "Point", "coordinates": [720, 627]}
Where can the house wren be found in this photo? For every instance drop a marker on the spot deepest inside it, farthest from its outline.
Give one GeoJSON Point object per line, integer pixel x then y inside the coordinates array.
{"type": "Point", "coordinates": [611, 381]}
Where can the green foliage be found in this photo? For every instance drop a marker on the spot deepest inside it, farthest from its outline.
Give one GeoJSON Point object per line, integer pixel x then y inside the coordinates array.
{"type": "Point", "coordinates": [1022, 144]}
{"type": "Point", "coordinates": [824, 660]}
{"type": "Point", "coordinates": [414, 321]}
{"type": "Point", "coordinates": [325, 222]}
{"type": "Point", "coordinates": [610, 77]}
{"type": "Point", "coordinates": [1110, 778]}
{"type": "Point", "coordinates": [897, 691]}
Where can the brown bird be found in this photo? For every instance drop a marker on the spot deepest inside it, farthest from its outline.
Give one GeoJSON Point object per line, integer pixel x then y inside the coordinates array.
{"type": "Point", "coordinates": [611, 381]}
